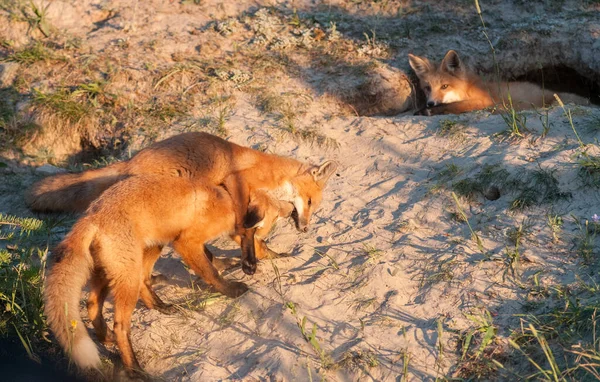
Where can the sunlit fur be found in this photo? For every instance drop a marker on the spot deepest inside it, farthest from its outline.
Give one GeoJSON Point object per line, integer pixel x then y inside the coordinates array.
{"type": "Point", "coordinates": [195, 156]}
{"type": "Point", "coordinates": [451, 89]}
{"type": "Point", "coordinates": [115, 244]}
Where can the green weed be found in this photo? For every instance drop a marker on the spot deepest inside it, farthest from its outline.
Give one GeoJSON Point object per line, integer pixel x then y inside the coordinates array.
{"type": "Point", "coordinates": [31, 54]}
{"type": "Point", "coordinates": [589, 169]}
{"type": "Point", "coordinates": [555, 223]}
{"type": "Point", "coordinates": [452, 130]}
{"type": "Point", "coordinates": [311, 336]}
{"type": "Point", "coordinates": [63, 103]}
{"type": "Point", "coordinates": [474, 236]}
{"type": "Point", "coordinates": [515, 121]}
{"type": "Point", "coordinates": [585, 241]}
{"type": "Point", "coordinates": [37, 17]}
{"type": "Point", "coordinates": [484, 326]}
{"type": "Point", "coordinates": [24, 246]}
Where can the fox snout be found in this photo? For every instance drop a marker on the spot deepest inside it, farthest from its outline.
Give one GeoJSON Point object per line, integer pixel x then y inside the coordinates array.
{"type": "Point", "coordinates": [301, 223]}
{"type": "Point", "coordinates": [248, 252]}
{"type": "Point", "coordinates": [430, 103]}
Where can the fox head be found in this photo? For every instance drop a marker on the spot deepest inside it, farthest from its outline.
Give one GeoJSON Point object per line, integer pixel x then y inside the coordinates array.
{"type": "Point", "coordinates": [308, 192]}
{"type": "Point", "coordinates": [446, 83]}
{"type": "Point", "coordinates": [262, 213]}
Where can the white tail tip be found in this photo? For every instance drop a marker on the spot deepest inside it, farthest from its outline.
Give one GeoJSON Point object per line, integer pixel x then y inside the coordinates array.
{"type": "Point", "coordinates": [85, 354]}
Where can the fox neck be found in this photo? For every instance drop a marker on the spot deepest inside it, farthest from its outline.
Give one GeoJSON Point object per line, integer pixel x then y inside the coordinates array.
{"type": "Point", "coordinates": [491, 90]}
{"type": "Point", "coordinates": [286, 192]}
{"type": "Point", "coordinates": [279, 170]}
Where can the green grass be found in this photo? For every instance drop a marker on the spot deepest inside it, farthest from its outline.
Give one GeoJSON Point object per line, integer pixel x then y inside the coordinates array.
{"type": "Point", "coordinates": [490, 175]}
{"type": "Point", "coordinates": [474, 344]}
{"type": "Point", "coordinates": [536, 188]}
{"type": "Point", "coordinates": [310, 336]}
{"type": "Point", "coordinates": [452, 130]}
{"type": "Point", "coordinates": [585, 240]}
{"type": "Point", "coordinates": [24, 244]}
{"type": "Point", "coordinates": [63, 103]}
{"type": "Point", "coordinates": [37, 17]}
{"type": "Point", "coordinates": [555, 223]}
{"type": "Point", "coordinates": [589, 169]}
{"type": "Point", "coordinates": [515, 121]}
{"type": "Point", "coordinates": [8, 99]}
{"type": "Point", "coordinates": [31, 54]}
{"type": "Point", "coordinates": [474, 236]}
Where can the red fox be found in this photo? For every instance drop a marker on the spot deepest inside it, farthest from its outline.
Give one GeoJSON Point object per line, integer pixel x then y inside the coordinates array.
{"type": "Point", "coordinates": [195, 155]}
{"type": "Point", "coordinates": [116, 243]}
{"type": "Point", "coordinates": [451, 89]}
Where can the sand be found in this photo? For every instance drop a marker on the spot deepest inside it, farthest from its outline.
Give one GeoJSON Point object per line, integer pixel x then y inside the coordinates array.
{"type": "Point", "coordinates": [388, 277]}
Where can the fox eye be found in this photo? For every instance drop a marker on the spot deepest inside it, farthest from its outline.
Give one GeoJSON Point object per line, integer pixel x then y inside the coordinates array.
{"type": "Point", "coordinates": [445, 86]}
{"type": "Point", "coordinates": [309, 201]}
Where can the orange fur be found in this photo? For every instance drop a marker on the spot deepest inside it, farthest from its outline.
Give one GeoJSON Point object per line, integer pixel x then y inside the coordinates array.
{"type": "Point", "coordinates": [193, 155]}
{"type": "Point", "coordinates": [117, 241]}
{"type": "Point", "coordinates": [451, 89]}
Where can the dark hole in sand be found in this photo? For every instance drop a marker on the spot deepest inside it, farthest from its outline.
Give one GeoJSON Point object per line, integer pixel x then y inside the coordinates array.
{"type": "Point", "coordinates": [562, 78]}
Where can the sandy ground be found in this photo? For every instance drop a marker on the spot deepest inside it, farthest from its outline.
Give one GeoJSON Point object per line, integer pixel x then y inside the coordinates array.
{"type": "Point", "coordinates": [387, 272]}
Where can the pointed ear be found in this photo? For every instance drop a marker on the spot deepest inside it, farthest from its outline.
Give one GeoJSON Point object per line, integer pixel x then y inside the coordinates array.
{"type": "Point", "coordinates": [285, 209]}
{"type": "Point", "coordinates": [254, 216]}
{"type": "Point", "coordinates": [420, 65]}
{"type": "Point", "coordinates": [322, 173]}
{"type": "Point", "coordinates": [452, 63]}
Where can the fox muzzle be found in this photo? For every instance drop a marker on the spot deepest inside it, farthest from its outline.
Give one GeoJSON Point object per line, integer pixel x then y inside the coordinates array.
{"type": "Point", "coordinates": [248, 252]}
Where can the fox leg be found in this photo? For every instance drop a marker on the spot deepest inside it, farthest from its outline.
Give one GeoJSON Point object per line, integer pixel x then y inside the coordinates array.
{"type": "Point", "coordinates": [98, 293]}
{"type": "Point", "coordinates": [191, 248]}
{"type": "Point", "coordinates": [149, 297]}
{"type": "Point", "coordinates": [126, 288]}
{"type": "Point", "coordinates": [456, 107]}
{"type": "Point", "coordinates": [246, 218]}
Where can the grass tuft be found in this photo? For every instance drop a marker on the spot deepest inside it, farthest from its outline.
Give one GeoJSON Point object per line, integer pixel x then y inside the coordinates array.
{"type": "Point", "coordinates": [31, 54]}
{"type": "Point", "coordinates": [24, 246]}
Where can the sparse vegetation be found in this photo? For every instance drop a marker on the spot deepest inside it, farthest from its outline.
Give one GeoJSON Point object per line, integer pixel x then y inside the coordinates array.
{"type": "Point", "coordinates": [24, 244]}
{"type": "Point", "coordinates": [474, 236]}
{"type": "Point", "coordinates": [504, 289]}
{"type": "Point", "coordinates": [452, 130]}
{"type": "Point", "coordinates": [31, 54]}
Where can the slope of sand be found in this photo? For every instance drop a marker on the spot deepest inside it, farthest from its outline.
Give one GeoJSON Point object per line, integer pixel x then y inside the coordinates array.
{"type": "Point", "coordinates": [387, 272]}
{"type": "Point", "coordinates": [384, 261]}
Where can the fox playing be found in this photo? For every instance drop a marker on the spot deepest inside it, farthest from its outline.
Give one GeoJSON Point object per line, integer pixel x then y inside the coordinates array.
{"type": "Point", "coordinates": [118, 240]}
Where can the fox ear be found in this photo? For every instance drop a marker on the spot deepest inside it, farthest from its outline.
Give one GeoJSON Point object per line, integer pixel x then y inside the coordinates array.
{"type": "Point", "coordinates": [452, 63]}
{"type": "Point", "coordinates": [254, 216]}
{"type": "Point", "coordinates": [286, 209]}
{"type": "Point", "coordinates": [420, 65]}
{"type": "Point", "coordinates": [322, 173]}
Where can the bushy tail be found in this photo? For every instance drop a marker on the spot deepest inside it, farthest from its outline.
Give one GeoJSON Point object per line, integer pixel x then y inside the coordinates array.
{"type": "Point", "coordinates": [72, 192]}
{"type": "Point", "coordinates": [71, 270]}
{"type": "Point", "coordinates": [573, 98]}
